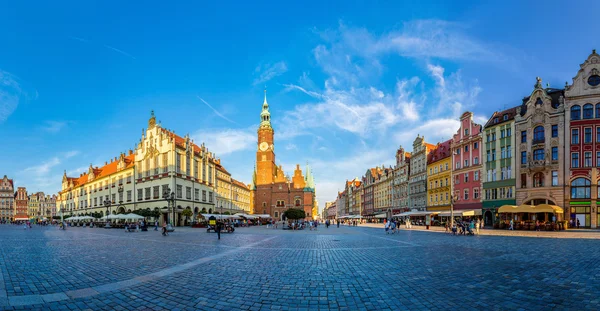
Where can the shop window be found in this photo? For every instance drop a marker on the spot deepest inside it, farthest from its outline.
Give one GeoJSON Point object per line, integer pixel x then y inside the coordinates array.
{"type": "Point", "coordinates": [580, 188]}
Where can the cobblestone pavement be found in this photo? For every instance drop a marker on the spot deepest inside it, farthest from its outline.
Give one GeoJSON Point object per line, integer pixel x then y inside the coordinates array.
{"type": "Point", "coordinates": [346, 268]}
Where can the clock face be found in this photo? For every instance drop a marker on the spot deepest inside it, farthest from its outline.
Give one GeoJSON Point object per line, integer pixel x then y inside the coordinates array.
{"type": "Point", "coordinates": [272, 147]}
{"type": "Point", "coordinates": [263, 146]}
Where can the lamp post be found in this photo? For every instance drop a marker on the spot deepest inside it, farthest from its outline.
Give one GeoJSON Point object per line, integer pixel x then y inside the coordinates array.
{"type": "Point", "coordinates": [107, 203]}
{"type": "Point", "coordinates": [169, 196]}
{"type": "Point", "coordinates": [451, 210]}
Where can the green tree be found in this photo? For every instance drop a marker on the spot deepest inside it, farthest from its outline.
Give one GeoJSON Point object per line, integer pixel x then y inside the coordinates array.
{"type": "Point", "coordinates": [294, 213]}
{"type": "Point", "coordinates": [227, 213]}
{"type": "Point", "coordinates": [187, 213]}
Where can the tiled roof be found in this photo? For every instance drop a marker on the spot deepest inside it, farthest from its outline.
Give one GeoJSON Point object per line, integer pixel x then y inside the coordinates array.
{"type": "Point", "coordinates": [441, 151]}
{"type": "Point", "coordinates": [104, 171]}
{"type": "Point", "coordinates": [510, 113]}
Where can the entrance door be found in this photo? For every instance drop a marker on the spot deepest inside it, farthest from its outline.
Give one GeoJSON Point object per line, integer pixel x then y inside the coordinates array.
{"type": "Point", "coordinates": [488, 218]}
{"type": "Point", "coordinates": [581, 218]}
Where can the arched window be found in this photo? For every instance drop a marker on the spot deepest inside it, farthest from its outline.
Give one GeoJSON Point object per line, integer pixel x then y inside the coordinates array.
{"type": "Point", "coordinates": [588, 111]}
{"type": "Point", "coordinates": [538, 180]}
{"type": "Point", "coordinates": [576, 112]}
{"type": "Point", "coordinates": [538, 154]}
{"type": "Point", "coordinates": [538, 134]}
{"type": "Point", "coordinates": [598, 110]}
{"type": "Point", "coordinates": [580, 188]}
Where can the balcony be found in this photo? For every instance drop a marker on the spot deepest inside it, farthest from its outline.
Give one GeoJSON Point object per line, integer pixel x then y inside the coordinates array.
{"type": "Point", "coordinates": [538, 140]}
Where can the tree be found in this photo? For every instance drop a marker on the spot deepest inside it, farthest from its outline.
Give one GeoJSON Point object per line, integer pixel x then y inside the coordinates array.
{"type": "Point", "coordinates": [226, 213]}
{"type": "Point", "coordinates": [187, 213]}
{"type": "Point", "coordinates": [294, 213]}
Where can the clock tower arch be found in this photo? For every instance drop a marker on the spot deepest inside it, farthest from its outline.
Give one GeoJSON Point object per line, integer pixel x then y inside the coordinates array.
{"type": "Point", "coordinates": [265, 153]}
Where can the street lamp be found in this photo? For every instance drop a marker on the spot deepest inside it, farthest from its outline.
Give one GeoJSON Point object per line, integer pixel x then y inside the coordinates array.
{"type": "Point", "coordinates": [452, 211]}
{"type": "Point", "coordinates": [221, 211]}
{"type": "Point", "coordinates": [169, 196]}
{"type": "Point", "coordinates": [107, 204]}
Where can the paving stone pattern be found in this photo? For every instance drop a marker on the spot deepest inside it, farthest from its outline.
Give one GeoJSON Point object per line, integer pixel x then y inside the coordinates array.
{"type": "Point", "coordinates": [347, 268]}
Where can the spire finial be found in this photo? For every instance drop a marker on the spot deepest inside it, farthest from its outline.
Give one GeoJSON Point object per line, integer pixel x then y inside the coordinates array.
{"type": "Point", "coordinates": [265, 102]}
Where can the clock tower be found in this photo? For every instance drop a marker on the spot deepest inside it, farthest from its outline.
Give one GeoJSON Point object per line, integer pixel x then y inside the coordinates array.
{"type": "Point", "coordinates": [265, 154]}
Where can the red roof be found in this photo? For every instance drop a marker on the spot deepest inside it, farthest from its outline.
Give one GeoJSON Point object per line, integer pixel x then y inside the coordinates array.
{"type": "Point", "coordinates": [441, 151]}
{"type": "Point", "coordinates": [104, 171]}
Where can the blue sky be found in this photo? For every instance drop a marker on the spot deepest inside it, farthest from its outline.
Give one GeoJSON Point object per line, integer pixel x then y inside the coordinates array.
{"type": "Point", "coordinates": [348, 81]}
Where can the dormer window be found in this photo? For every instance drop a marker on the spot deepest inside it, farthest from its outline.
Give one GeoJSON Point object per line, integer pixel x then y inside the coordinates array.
{"type": "Point", "coordinates": [466, 132]}
{"type": "Point", "coordinates": [505, 117]}
{"type": "Point", "coordinates": [495, 120]}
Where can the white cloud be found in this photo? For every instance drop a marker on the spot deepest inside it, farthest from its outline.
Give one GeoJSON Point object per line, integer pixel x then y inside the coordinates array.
{"type": "Point", "coordinates": [226, 141]}
{"type": "Point", "coordinates": [291, 147]}
{"type": "Point", "coordinates": [269, 71]}
{"type": "Point", "coordinates": [46, 176]}
{"type": "Point", "coordinates": [54, 126]}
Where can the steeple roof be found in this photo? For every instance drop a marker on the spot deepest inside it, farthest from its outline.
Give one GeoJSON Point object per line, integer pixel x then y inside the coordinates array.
{"type": "Point", "coordinates": [265, 115]}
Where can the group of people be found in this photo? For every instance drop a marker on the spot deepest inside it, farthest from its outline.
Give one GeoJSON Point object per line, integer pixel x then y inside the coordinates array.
{"type": "Point", "coordinates": [391, 226]}
{"type": "Point", "coordinates": [464, 227]}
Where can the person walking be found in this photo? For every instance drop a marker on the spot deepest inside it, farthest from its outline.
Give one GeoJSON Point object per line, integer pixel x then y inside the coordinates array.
{"type": "Point", "coordinates": [219, 227]}
{"type": "Point", "coordinates": [511, 225]}
{"type": "Point", "coordinates": [156, 225]}
{"type": "Point", "coordinates": [477, 225]}
{"type": "Point", "coordinates": [164, 229]}
{"type": "Point", "coordinates": [578, 224]}
{"type": "Point", "coordinates": [386, 225]}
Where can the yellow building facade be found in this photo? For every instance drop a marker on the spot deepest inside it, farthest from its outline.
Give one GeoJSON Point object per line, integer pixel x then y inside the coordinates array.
{"type": "Point", "coordinates": [439, 177]}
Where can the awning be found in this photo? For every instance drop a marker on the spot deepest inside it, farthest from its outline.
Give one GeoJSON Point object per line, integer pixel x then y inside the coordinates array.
{"type": "Point", "coordinates": [507, 209]}
{"type": "Point", "coordinates": [422, 213]}
{"type": "Point", "coordinates": [403, 214]}
{"type": "Point", "coordinates": [262, 215]}
{"type": "Point", "coordinates": [22, 218]}
{"type": "Point", "coordinates": [380, 215]}
{"type": "Point", "coordinates": [547, 208]}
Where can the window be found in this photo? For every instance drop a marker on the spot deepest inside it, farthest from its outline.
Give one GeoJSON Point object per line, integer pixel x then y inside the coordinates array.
{"type": "Point", "coordinates": [598, 159]}
{"type": "Point", "coordinates": [538, 134]}
{"type": "Point", "coordinates": [466, 177]}
{"type": "Point", "coordinates": [487, 138]}
{"type": "Point", "coordinates": [493, 154]}
{"type": "Point", "coordinates": [598, 134]}
{"type": "Point", "coordinates": [588, 111]}
{"type": "Point", "coordinates": [467, 148]}
{"type": "Point", "coordinates": [501, 133]}
{"type": "Point", "coordinates": [523, 136]}
{"type": "Point", "coordinates": [476, 161]}
{"type": "Point", "coordinates": [508, 151]}
{"type": "Point", "coordinates": [538, 154]}
{"type": "Point", "coordinates": [476, 145]}
{"type": "Point", "coordinates": [457, 150]}
{"type": "Point", "coordinates": [502, 153]}
{"type": "Point", "coordinates": [466, 163]}
{"type": "Point", "coordinates": [204, 195]}
{"type": "Point", "coordinates": [210, 196]}
{"type": "Point", "coordinates": [187, 166]}
{"type": "Point", "coordinates": [523, 157]}
{"type": "Point", "coordinates": [95, 201]}
{"type": "Point", "coordinates": [580, 188]}
{"type": "Point", "coordinates": [140, 194]}
{"type": "Point", "coordinates": [197, 194]}
{"type": "Point", "coordinates": [156, 165]}
{"type": "Point", "coordinates": [457, 165]}
{"type": "Point", "coordinates": [523, 180]}
{"type": "Point", "coordinates": [165, 161]}
{"type": "Point", "coordinates": [476, 175]}
{"type": "Point", "coordinates": [554, 178]}
{"type": "Point", "coordinates": [587, 135]}
{"type": "Point", "coordinates": [147, 193]}
{"type": "Point", "coordinates": [466, 194]}
{"type": "Point", "coordinates": [120, 198]}
{"type": "Point", "coordinates": [574, 160]}
{"type": "Point", "coordinates": [489, 156]}
{"type": "Point", "coordinates": [179, 191]}
{"type": "Point", "coordinates": [508, 132]}
{"type": "Point", "coordinates": [555, 130]}
{"type": "Point", "coordinates": [538, 180]}
{"type": "Point", "coordinates": [128, 195]}
{"type": "Point", "coordinates": [587, 159]}
{"type": "Point", "coordinates": [576, 112]}
{"type": "Point", "coordinates": [177, 163]}
{"type": "Point", "coordinates": [156, 192]}
{"type": "Point", "coordinates": [188, 193]}
{"type": "Point", "coordinates": [128, 179]}
{"type": "Point", "coordinates": [554, 153]}
{"type": "Point", "coordinates": [475, 193]}
{"type": "Point", "coordinates": [574, 136]}
{"type": "Point", "coordinates": [493, 136]}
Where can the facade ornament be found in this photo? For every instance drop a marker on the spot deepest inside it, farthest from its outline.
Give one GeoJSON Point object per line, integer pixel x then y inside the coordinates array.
{"type": "Point", "coordinates": [538, 84]}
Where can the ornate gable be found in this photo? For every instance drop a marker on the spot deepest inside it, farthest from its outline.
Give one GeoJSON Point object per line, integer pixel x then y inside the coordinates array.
{"type": "Point", "coordinates": [587, 80]}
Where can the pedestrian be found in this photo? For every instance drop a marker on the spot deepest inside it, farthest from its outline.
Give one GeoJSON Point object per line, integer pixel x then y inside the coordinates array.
{"type": "Point", "coordinates": [578, 223]}
{"type": "Point", "coordinates": [393, 224]}
{"type": "Point", "coordinates": [338, 223]}
{"type": "Point", "coordinates": [156, 225]}
{"type": "Point", "coordinates": [446, 226]}
{"type": "Point", "coordinates": [477, 225]}
{"type": "Point", "coordinates": [219, 226]}
{"type": "Point", "coordinates": [537, 225]}
{"type": "Point", "coordinates": [386, 225]}
{"type": "Point", "coordinates": [511, 225]}
{"type": "Point", "coordinates": [164, 229]}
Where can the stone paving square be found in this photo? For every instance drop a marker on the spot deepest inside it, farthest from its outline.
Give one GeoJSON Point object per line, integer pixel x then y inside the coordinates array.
{"type": "Point", "coordinates": [346, 268]}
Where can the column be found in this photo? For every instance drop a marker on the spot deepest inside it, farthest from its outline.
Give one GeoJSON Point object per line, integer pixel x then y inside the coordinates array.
{"type": "Point", "coordinates": [594, 196]}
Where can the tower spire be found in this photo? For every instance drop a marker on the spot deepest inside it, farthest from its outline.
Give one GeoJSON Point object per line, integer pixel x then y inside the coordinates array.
{"type": "Point", "coordinates": [265, 115]}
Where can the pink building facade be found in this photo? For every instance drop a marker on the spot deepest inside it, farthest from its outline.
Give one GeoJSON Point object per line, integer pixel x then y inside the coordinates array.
{"type": "Point", "coordinates": [467, 167]}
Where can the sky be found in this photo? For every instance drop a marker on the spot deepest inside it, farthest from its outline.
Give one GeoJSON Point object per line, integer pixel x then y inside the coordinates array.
{"type": "Point", "coordinates": [348, 82]}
